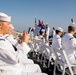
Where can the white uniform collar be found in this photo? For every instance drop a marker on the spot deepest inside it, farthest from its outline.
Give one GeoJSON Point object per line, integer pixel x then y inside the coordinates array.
{"type": "Point", "coordinates": [2, 37]}
{"type": "Point", "coordinates": [39, 37]}
{"type": "Point", "coordinates": [70, 34]}
{"type": "Point", "coordinates": [57, 35]}
{"type": "Point", "coordinates": [6, 35]}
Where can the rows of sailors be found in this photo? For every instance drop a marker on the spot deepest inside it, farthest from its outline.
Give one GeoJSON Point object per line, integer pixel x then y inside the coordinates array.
{"type": "Point", "coordinates": [15, 62]}
{"type": "Point", "coordinates": [67, 42]}
{"type": "Point", "coordinates": [38, 31]}
{"type": "Point", "coordinates": [13, 53]}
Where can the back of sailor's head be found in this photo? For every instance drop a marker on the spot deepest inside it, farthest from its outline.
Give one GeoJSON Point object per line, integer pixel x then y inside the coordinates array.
{"type": "Point", "coordinates": [72, 27]}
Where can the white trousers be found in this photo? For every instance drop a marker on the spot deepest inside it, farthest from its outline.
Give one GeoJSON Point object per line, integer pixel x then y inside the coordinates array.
{"type": "Point", "coordinates": [27, 61]}
{"type": "Point", "coordinates": [27, 74]}
{"type": "Point", "coordinates": [20, 69]}
{"type": "Point", "coordinates": [34, 74]}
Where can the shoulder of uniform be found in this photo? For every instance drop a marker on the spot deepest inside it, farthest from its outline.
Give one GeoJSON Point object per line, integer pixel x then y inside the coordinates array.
{"type": "Point", "coordinates": [6, 36]}
{"type": "Point", "coordinates": [71, 38]}
{"type": "Point", "coordinates": [58, 37]}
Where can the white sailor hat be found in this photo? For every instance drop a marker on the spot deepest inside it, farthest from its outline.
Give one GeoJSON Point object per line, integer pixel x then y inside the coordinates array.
{"type": "Point", "coordinates": [59, 29]}
{"type": "Point", "coordinates": [4, 17]}
{"type": "Point", "coordinates": [73, 25]}
{"type": "Point", "coordinates": [43, 30]}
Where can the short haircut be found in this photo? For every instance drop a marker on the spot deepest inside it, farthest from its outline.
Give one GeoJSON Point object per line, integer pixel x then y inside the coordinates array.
{"type": "Point", "coordinates": [41, 32]}
{"type": "Point", "coordinates": [71, 29]}
{"type": "Point", "coordinates": [57, 31]}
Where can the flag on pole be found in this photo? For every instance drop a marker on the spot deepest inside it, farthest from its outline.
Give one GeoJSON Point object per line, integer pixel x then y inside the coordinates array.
{"type": "Point", "coordinates": [39, 22]}
{"type": "Point", "coordinates": [42, 22]}
{"type": "Point", "coordinates": [35, 24]}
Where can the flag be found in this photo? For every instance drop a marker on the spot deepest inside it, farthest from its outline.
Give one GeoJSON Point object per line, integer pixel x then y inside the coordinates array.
{"type": "Point", "coordinates": [42, 23]}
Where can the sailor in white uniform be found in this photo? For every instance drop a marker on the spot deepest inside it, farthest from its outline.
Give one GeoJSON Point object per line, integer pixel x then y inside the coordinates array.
{"type": "Point", "coordinates": [10, 37]}
{"type": "Point", "coordinates": [17, 46]}
{"type": "Point", "coordinates": [9, 59]}
{"type": "Point", "coordinates": [32, 33]}
{"type": "Point", "coordinates": [53, 32]}
{"type": "Point", "coordinates": [41, 36]}
{"type": "Point", "coordinates": [47, 30]}
{"type": "Point", "coordinates": [69, 44]}
{"type": "Point", "coordinates": [56, 41]}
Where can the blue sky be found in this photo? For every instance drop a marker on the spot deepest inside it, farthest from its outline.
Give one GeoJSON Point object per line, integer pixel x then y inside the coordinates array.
{"type": "Point", "coordinates": [54, 12]}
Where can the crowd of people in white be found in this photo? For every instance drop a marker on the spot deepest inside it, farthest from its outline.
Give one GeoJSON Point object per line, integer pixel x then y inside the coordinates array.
{"type": "Point", "coordinates": [15, 62]}
{"type": "Point", "coordinates": [66, 43]}
{"type": "Point", "coordinates": [14, 52]}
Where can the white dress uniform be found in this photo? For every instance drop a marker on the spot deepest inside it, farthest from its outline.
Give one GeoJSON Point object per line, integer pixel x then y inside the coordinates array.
{"type": "Point", "coordinates": [40, 37]}
{"type": "Point", "coordinates": [9, 59]}
{"type": "Point", "coordinates": [31, 34]}
{"type": "Point", "coordinates": [11, 39]}
{"type": "Point", "coordinates": [47, 33]}
{"type": "Point", "coordinates": [53, 33]}
{"type": "Point", "coordinates": [22, 51]}
{"type": "Point", "coordinates": [69, 45]}
{"type": "Point", "coordinates": [56, 42]}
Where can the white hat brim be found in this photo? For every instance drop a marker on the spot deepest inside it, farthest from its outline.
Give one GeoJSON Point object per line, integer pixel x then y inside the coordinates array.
{"type": "Point", "coordinates": [5, 18]}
